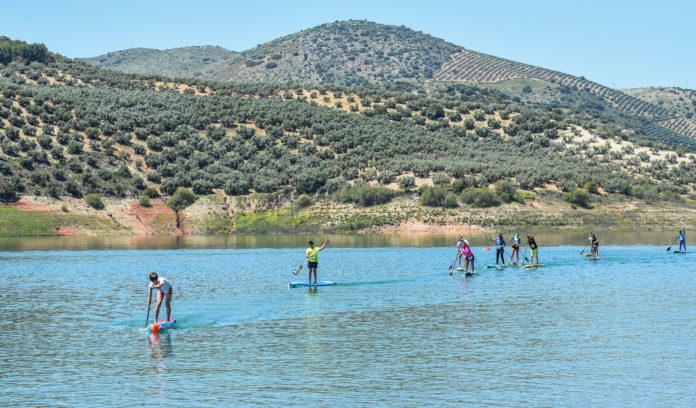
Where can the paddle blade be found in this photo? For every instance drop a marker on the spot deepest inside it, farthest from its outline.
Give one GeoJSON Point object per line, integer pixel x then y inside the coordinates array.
{"type": "Point", "coordinates": [297, 270]}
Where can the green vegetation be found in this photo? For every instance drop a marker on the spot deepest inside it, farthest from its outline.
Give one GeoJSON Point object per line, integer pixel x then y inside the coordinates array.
{"type": "Point", "coordinates": [365, 195]}
{"type": "Point", "coordinates": [14, 222]}
{"type": "Point", "coordinates": [181, 199]}
{"type": "Point", "coordinates": [145, 201]}
{"type": "Point", "coordinates": [578, 197]}
{"type": "Point", "coordinates": [69, 129]}
{"type": "Point", "coordinates": [94, 201]}
{"type": "Point", "coordinates": [20, 51]}
{"type": "Point", "coordinates": [480, 197]}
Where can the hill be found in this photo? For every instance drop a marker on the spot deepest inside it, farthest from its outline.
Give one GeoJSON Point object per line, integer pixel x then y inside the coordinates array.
{"type": "Point", "coordinates": [176, 62]}
{"type": "Point", "coordinates": [71, 131]}
{"type": "Point", "coordinates": [352, 53]}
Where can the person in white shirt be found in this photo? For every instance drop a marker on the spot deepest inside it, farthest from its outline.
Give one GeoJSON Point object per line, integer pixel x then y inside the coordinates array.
{"type": "Point", "coordinates": [164, 291]}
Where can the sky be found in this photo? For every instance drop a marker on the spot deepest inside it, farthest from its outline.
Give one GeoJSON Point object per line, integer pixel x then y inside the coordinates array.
{"type": "Point", "coordinates": [621, 44]}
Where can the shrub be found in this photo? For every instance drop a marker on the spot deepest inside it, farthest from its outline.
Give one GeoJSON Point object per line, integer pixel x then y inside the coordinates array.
{"type": "Point", "coordinates": [459, 185]}
{"type": "Point", "coordinates": [506, 191]}
{"type": "Point", "coordinates": [94, 201]}
{"type": "Point", "coordinates": [386, 177]}
{"type": "Point", "coordinates": [181, 199]}
{"type": "Point", "coordinates": [145, 201]}
{"type": "Point", "coordinates": [366, 195]}
{"type": "Point", "coordinates": [308, 182]}
{"type": "Point", "coordinates": [591, 187]}
{"type": "Point", "coordinates": [450, 201]}
{"type": "Point", "coordinates": [151, 192]}
{"type": "Point", "coordinates": [406, 182]}
{"type": "Point", "coordinates": [432, 196]}
{"type": "Point", "coordinates": [440, 179]}
{"type": "Point", "coordinates": [480, 197]}
{"type": "Point", "coordinates": [304, 201]}
{"type": "Point", "coordinates": [578, 197]}
{"type": "Point", "coordinates": [202, 187]}
{"type": "Point", "coordinates": [335, 184]}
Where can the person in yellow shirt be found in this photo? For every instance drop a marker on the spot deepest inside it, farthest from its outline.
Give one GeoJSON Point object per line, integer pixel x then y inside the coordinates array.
{"type": "Point", "coordinates": [312, 255]}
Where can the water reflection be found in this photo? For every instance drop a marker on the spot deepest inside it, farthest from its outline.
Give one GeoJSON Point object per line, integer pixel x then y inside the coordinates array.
{"type": "Point", "coordinates": [553, 238]}
{"type": "Point", "coordinates": [160, 348]}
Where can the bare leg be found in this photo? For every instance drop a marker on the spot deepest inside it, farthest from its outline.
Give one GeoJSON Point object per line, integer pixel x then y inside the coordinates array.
{"type": "Point", "coordinates": [159, 303]}
{"type": "Point", "coordinates": [169, 309]}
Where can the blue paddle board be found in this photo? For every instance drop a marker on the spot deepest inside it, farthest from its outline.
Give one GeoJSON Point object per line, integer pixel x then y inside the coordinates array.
{"type": "Point", "coordinates": [599, 258]}
{"type": "Point", "coordinates": [310, 285]}
{"type": "Point", "coordinates": [680, 252]}
{"type": "Point", "coordinates": [534, 266]}
{"type": "Point", "coordinates": [163, 325]}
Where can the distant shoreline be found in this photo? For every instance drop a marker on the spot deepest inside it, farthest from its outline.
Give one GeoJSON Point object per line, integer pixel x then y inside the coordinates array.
{"type": "Point", "coordinates": [212, 216]}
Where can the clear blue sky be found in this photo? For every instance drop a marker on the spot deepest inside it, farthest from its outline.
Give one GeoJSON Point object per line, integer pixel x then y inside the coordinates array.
{"type": "Point", "coordinates": [621, 43]}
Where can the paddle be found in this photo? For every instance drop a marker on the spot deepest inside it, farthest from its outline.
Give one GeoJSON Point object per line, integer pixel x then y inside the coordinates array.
{"type": "Point", "coordinates": [451, 268]}
{"type": "Point", "coordinates": [524, 255]}
{"type": "Point", "coordinates": [670, 245]}
{"type": "Point", "coordinates": [149, 302]}
{"type": "Point", "coordinates": [299, 268]}
{"type": "Point", "coordinates": [583, 249]}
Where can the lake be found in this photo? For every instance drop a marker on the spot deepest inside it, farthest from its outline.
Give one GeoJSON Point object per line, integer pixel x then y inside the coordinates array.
{"type": "Point", "coordinates": [397, 330]}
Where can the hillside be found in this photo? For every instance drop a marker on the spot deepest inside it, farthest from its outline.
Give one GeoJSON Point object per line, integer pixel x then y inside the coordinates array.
{"type": "Point", "coordinates": [176, 62]}
{"type": "Point", "coordinates": [71, 131]}
{"type": "Point", "coordinates": [354, 53]}
{"type": "Point", "coordinates": [680, 102]}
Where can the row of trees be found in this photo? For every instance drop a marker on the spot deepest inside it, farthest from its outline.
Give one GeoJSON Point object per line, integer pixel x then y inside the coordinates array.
{"type": "Point", "coordinates": [15, 50]}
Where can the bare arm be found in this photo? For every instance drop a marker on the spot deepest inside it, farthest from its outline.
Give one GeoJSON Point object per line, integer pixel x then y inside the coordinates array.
{"type": "Point", "coordinates": [325, 244]}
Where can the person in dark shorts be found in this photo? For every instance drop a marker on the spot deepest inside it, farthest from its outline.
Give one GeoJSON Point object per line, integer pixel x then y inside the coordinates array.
{"type": "Point", "coordinates": [515, 248]}
{"type": "Point", "coordinates": [312, 254]}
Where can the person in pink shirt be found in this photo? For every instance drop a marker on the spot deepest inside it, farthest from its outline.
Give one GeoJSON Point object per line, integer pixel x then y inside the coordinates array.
{"type": "Point", "coordinates": [468, 257]}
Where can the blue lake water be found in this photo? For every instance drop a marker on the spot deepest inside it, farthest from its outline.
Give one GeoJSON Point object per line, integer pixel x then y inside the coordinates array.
{"type": "Point", "coordinates": [396, 331]}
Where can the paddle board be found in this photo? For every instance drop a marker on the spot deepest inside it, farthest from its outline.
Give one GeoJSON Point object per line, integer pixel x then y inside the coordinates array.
{"type": "Point", "coordinates": [469, 273]}
{"type": "Point", "coordinates": [460, 269]}
{"type": "Point", "coordinates": [599, 258]}
{"type": "Point", "coordinates": [311, 285]}
{"type": "Point", "coordinates": [680, 252]}
{"type": "Point", "coordinates": [499, 266]}
{"type": "Point", "coordinates": [588, 254]}
{"type": "Point", "coordinates": [533, 266]}
{"type": "Point", "coordinates": [163, 324]}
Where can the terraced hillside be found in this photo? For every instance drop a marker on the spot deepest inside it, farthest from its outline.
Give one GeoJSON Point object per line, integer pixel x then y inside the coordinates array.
{"type": "Point", "coordinates": [471, 66]}
{"type": "Point", "coordinates": [176, 62]}
{"type": "Point", "coordinates": [680, 101]}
